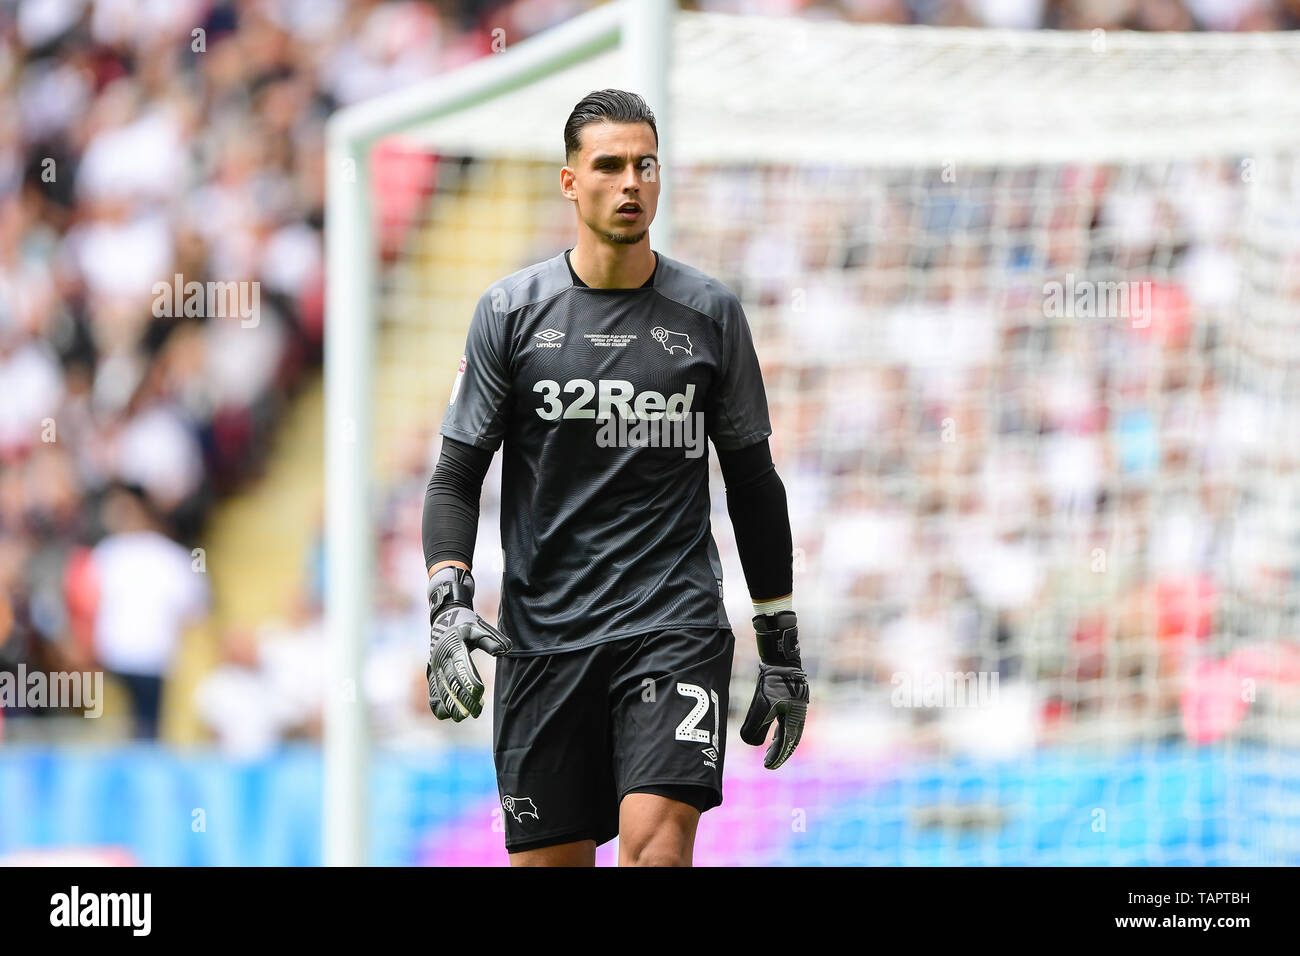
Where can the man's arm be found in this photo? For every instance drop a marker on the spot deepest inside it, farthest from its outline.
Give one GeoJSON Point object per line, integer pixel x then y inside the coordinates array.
{"type": "Point", "coordinates": [449, 528]}
{"type": "Point", "coordinates": [472, 430]}
{"type": "Point", "coordinates": [760, 515]}
{"type": "Point", "coordinates": [451, 505]}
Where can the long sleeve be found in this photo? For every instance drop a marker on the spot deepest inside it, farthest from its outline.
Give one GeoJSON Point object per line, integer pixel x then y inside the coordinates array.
{"type": "Point", "coordinates": [451, 503]}
{"type": "Point", "coordinates": [760, 515]}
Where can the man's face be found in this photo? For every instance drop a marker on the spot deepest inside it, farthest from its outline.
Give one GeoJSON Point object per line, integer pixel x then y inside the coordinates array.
{"type": "Point", "coordinates": [616, 165]}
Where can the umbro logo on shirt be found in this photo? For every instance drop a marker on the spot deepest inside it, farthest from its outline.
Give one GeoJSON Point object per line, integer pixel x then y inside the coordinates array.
{"type": "Point", "coordinates": [550, 339]}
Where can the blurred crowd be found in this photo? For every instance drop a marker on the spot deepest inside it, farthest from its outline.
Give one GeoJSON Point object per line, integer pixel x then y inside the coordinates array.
{"type": "Point", "coordinates": [146, 142]}
{"type": "Point", "coordinates": [1099, 499]}
{"type": "Point", "coordinates": [143, 148]}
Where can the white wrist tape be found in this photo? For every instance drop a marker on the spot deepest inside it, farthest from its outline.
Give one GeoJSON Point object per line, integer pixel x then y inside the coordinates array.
{"type": "Point", "coordinates": [771, 607]}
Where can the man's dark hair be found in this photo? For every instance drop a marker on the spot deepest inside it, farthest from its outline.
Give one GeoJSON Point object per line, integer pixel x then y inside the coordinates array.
{"type": "Point", "coordinates": [615, 106]}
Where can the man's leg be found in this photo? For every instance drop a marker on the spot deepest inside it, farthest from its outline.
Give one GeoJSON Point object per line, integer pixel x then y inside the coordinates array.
{"type": "Point", "coordinates": [580, 853]}
{"type": "Point", "coordinates": [670, 731]}
{"type": "Point", "coordinates": [655, 831]}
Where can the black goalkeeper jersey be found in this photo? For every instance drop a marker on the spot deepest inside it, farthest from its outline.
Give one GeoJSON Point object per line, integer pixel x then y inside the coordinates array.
{"type": "Point", "coordinates": [603, 398]}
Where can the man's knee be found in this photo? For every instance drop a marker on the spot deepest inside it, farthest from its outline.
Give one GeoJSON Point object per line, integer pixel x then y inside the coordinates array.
{"type": "Point", "coordinates": [656, 831]}
{"type": "Point", "coordinates": [660, 849]}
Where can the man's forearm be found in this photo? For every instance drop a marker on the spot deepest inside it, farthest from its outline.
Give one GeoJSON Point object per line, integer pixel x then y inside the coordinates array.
{"type": "Point", "coordinates": [451, 505]}
{"type": "Point", "coordinates": [760, 516]}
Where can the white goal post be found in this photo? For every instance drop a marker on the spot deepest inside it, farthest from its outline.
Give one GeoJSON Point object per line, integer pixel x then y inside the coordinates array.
{"type": "Point", "coordinates": [740, 91]}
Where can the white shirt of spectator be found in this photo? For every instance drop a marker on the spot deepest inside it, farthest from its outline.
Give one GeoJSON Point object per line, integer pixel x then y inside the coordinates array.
{"type": "Point", "coordinates": [148, 593]}
{"type": "Point", "coordinates": [157, 450]}
{"type": "Point", "coordinates": [32, 385]}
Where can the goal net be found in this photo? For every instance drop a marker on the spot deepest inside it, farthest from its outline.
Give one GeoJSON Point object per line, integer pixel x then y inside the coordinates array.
{"type": "Point", "coordinates": [1028, 312]}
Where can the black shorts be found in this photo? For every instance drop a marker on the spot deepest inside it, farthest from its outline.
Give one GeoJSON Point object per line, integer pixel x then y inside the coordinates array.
{"type": "Point", "coordinates": [573, 732]}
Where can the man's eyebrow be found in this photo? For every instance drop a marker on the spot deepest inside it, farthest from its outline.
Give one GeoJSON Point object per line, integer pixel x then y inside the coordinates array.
{"type": "Point", "coordinates": [603, 157]}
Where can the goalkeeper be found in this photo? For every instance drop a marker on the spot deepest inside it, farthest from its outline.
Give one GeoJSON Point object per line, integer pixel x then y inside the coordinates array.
{"type": "Point", "coordinates": [614, 651]}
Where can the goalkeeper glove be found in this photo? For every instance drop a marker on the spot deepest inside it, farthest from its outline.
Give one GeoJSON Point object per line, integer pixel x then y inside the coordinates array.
{"type": "Point", "coordinates": [782, 691]}
{"type": "Point", "coordinates": [455, 688]}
